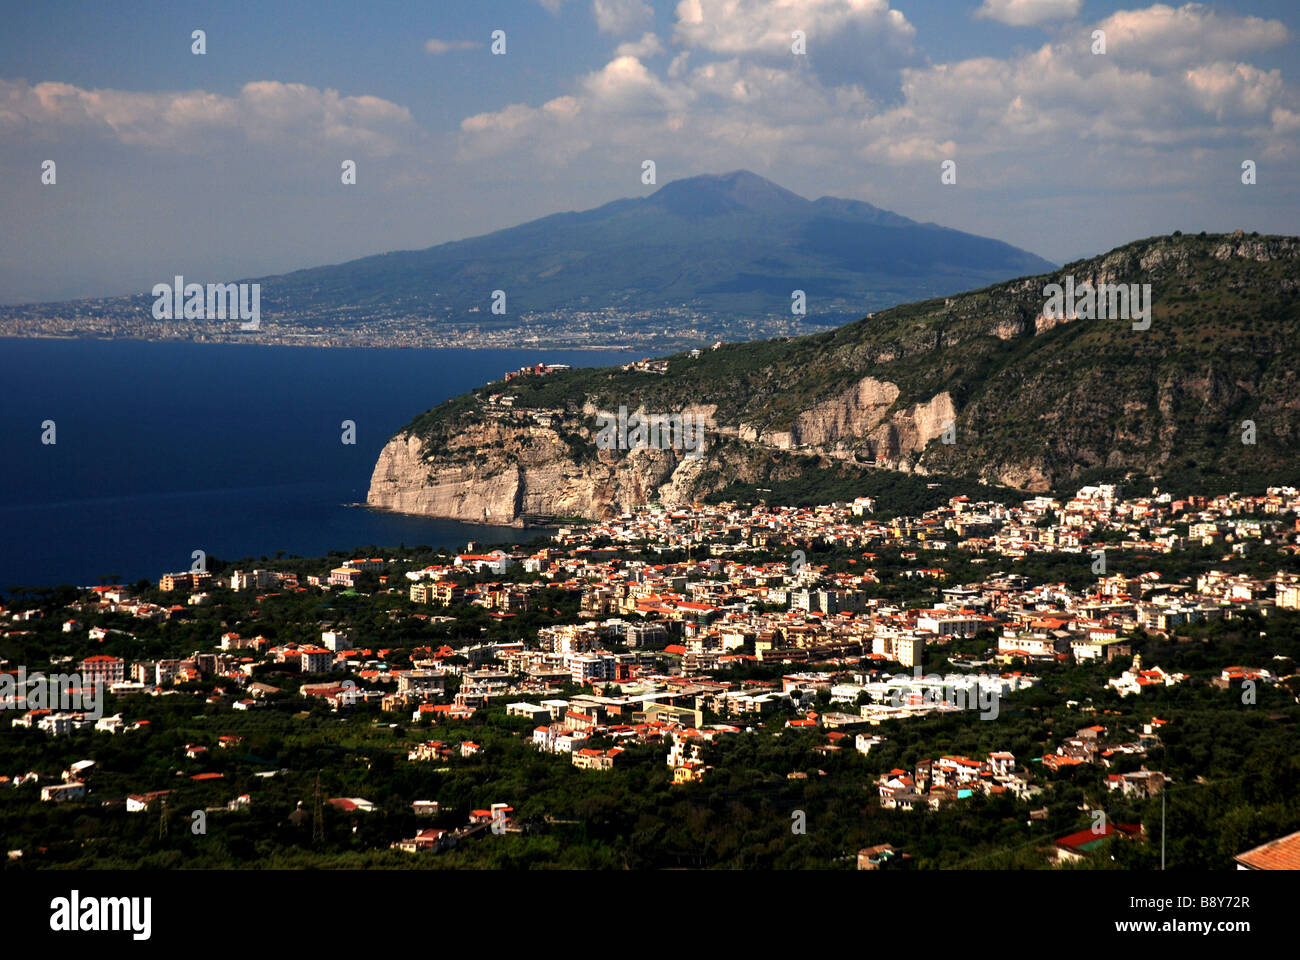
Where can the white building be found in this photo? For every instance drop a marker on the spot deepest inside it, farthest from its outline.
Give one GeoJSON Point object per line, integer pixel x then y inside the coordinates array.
{"type": "Point", "coordinates": [316, 660]}
{"type": "Point", "coordinates": [59, 792]}
{"type": "Point", "coordinates": [335, 640]}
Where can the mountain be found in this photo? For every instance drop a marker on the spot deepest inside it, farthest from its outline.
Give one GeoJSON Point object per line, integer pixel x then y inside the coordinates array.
{"type": "Point", "coordinates": [1206, 396]}
{"type": "Point", "coordinates": [727, 246]}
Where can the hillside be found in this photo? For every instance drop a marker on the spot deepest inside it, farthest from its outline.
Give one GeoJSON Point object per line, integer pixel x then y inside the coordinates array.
{"type": "Point", "coordinates": [1035, 403]}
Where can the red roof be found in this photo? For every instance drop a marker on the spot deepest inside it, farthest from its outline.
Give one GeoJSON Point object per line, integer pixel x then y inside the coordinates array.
{"type": "Point", "coordinates": [1084, 837]}
{"type": "Point", "coordinates": [1280, 854]}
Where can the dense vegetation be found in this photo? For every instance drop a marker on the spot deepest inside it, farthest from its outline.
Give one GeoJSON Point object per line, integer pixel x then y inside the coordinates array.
{"type": "Point", "coordinates": [1078, 401]}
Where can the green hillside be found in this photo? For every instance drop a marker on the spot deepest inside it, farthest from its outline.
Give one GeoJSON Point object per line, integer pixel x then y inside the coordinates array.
{"type": "Point", "coordinates": [1083, 399]}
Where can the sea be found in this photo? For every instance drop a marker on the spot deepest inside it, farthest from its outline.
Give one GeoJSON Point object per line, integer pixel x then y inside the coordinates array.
{"type": "Point", "coordinates": [162, 449]}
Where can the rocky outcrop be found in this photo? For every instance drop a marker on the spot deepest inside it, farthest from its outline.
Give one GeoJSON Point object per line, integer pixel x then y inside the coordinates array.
{"type": "Point", "coordinates": [402, 481]}
{"type": "Point", "coordinates": [534, 473]}
{"type": "Point", "coordinates": [500, 471]}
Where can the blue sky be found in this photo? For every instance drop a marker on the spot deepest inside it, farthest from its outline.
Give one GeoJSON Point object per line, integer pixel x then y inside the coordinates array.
{"type": "Point", "coordinates": [226, 165]}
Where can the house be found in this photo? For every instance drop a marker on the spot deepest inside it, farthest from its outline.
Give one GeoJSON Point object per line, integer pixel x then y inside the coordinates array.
{"type": "Point", "coordinates": [1280, 854]}
{"type": "Point", "coordinates": [1002, 763]}
{"type": "Point", "coordinates": [863, 742]}
{"type": "Point", "coordinates": [1135, 679]}
{"type": "Point", "coordinates": [141, 802]}
{"type": "Point", "coordinates": [425, 808]}
{"type": "Point", "coordinates": [1141, 783]}
{"type": "Point", "coordinates": [78, 770]}
{"type": "Point", "coordinates": [58, 792]}
{"type": "Point", "coordinates": [351, 804]}
{"type": "Point", "coordinates": [590, 759]}
{"type": "Point", "coordinates": [1079, 845]}
{"type": "Point", "coordinates": [535, 713]}
{"type": "Point", "coordinates": [880, 857]}
{"type": "Point", "coordinates": [498, 814]}
{"type": "Point", "coordinates": [345, 576]}
{"type": "Point", "coordinates": [431, 840]}
{"type": "Point", "coordinates": [1099, 647]}
{"type": "Point", "coordinates": [497, 562]}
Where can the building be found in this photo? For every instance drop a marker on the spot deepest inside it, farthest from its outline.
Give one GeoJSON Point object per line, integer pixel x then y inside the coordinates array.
{"type": "Point", "coordinates": [141, 802]}
{"type": "Point", "coordinates": [58, 792]}
{"type": "Point", "coordinates": [1079, 845]}
{"type": "Point", "coordinates": [431, 840]}
{"type": "Point", "coordinates": [315, 659]}
{"type": "Point", "coordinates": [533, 712]}
{"type": "Point", "coordinates": [182, 581]}
{"type": "Point", "coordinates": [345, 576]}
{"type": "Point", "coordinates": [1280, 854]}
{"type": "Point", "coordinates": [1097, 648]}
{"type": "Point", "coordinates": [256, 580]}
{"type": "Point", "coordinates": [497, 562]}
{"type": "Point", "coordinates": [1135, 679]}
{"type": "Point", "coordinates": [335, 640]}
{"type": "Point", "coordinates": [590, 759]}
{"type": "Point", "coordinates": [589, 668]}
{"type": "Point", "coordinates": [421, 683]}
{"type": "Point", "coordinates": [880, 857]}
{"type": "Point", "coordinates": [102, 669]}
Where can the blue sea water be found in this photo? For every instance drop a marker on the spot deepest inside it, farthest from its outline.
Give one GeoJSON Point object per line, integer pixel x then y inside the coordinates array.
{"type": "Point", "coordinates": [167, 448]}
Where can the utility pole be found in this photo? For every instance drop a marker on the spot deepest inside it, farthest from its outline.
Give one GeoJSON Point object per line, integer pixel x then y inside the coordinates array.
{"type": "Point", "coordinates": [1162, 826]}
{"type": "Point", "coordinates": [162, 819]}
{"type": "Point", "coordinates": [317, 820]}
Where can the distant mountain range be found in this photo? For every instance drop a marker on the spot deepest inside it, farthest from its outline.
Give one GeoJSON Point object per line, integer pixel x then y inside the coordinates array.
{"type": "Point", "coordinates": [707, 257]}
{"type": "Point", "coordinates": [730, 246]}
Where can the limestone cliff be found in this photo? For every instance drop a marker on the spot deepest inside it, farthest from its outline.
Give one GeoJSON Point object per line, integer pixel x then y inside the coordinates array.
{"type": "Point", "coordinates": [505, 466]}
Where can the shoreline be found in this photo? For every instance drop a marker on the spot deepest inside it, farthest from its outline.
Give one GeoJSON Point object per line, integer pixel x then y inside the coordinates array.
{"type": "Point", "coordinates": [333, 343]}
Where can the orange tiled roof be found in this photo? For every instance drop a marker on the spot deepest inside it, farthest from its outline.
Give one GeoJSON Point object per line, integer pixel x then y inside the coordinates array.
{"type": "Point", "coordinates": [1280, 854]}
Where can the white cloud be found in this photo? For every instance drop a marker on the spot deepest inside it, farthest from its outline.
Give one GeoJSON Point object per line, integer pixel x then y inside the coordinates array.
{"type": "Point", "coordinates": [622, 16]}
{"type": "Point", "coordinates": [1191, 34]}
{"type": "Point", "coordinates": [1027, 13]}
{"type": "Point", "coordinates": [1019, 120]}
{"type": "Point", "coordinates": [757, 26]}
{"type": "Point", "coordinates": [1235, 88]}
{"type": "Point", "coordinates": [437, 47]}
{"type": "Point", "coordinates": [267, 112]}
{"type": "Point", "coordinates": [625, 84]}
{"type": "Point", "coordinates": [648, 46]}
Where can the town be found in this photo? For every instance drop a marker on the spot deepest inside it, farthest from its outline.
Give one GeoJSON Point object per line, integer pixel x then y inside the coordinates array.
{"type": "Point", "coordinates": [917, 663]}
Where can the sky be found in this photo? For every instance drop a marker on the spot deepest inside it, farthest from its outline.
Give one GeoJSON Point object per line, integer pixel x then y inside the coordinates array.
{"type": "Point", "coordinates": [227, 164]}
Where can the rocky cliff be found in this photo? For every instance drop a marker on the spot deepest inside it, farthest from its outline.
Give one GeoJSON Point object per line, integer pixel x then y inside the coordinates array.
{"type": "Point", "coordinates": [503, 466]}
